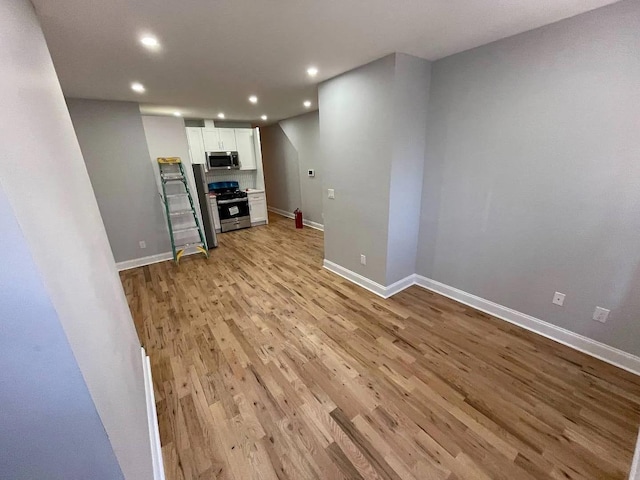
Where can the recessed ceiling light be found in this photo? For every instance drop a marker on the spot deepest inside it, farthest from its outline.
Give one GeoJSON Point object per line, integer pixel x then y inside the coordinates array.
{"type": "Point", "coordinates": [263, 117]}
{"type": "Point", "coordinates": [221, 115]}
{"type": "Point", "coordinates": [150, 41]}
{"type": "Point", "coordinates": [307, 103]}
{"type": "Point", "coordinates": [253, 99]}
{"type": "Point", "coordinates": [137, 87]}
{"type": "Point", "coordinates": [177, 114]}
{"type": "Point", "coordinates": [312, 71]}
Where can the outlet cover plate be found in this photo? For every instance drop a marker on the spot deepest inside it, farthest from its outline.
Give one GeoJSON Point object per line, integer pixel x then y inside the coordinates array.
{"type": "Point", "coordinates": [601, 314]}
{"type": "Point", "coordinates": [558, 298]}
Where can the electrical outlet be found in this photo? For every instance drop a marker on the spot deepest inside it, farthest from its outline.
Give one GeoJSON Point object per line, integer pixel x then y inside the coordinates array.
{"type": "Point", "coordinates": [600, 314]}
{"type": "Point", "coordinates": [331, 193]}
{"type": "Point", "coordinates": [558, 298]}
{"type": "Point", "coordinates": [142, 244]}
{"type": "Point", "coordinates": [363, 259]}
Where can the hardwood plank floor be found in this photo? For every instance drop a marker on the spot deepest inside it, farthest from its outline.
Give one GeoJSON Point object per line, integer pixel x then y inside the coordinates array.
{"type": "Point", "coordinates": [267, 366]}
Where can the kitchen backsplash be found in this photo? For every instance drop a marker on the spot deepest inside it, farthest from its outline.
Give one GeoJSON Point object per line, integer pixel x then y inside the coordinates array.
{"type": "Point", "coordinates": [245, 178]}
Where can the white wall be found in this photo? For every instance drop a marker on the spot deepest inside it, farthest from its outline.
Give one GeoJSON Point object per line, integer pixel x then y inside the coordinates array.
{"type": "Point", "coordinates": [49, 426]}
{"type": "Point", "coordinates": [356, 115]}
{"type": "Point", "coordinates": [303, 132]}
{"type": "Point", "coordinates": [45, 181]}
{"type": "Point", "coordinates": [410, 99]}
{"type": "Point", "coordinates": [167, 137]}
{"type": "Point", "coordinates": [115, 151]}
{"type": "Point", "coordinates": [532, 182]}
{"type": "Point", "coordinates": [372, 139]}
{"type": "Point", "coordinates": [281, 169]}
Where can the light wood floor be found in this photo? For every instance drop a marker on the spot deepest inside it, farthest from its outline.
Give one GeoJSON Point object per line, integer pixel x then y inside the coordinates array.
{"type": "Point", "coordinates": [266, 366]}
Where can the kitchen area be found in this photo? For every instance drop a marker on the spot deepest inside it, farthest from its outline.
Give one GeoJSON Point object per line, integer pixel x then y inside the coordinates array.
{"type": "Point", "coordinates": [228, 175]}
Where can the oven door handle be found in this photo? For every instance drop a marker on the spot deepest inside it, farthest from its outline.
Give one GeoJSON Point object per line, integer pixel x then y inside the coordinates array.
{"type": "Point", "coordinates": [235, 200]}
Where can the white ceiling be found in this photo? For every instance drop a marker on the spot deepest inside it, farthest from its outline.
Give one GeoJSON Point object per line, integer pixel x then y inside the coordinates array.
{"type": "Point", "coordinates": [215, 53]}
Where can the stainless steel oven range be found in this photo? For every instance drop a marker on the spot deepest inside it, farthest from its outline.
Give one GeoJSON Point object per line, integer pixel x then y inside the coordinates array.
{"type": "Point", "coordinates": [233, 206]}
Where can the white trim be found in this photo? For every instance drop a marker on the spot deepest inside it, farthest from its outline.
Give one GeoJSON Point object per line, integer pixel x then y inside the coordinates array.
{"type": "Point", "coordinates": [283, 213]}
{"type": "Point", "coordinates": [634, 473]}
{"type": "Point", "coordinates": [364, 282]}
{"type": "Point", "coordinates": [308, 223]}
{"type": "Point", "coordinates": [141, 262]}
{"type": "Point", "coordinates": [604, 352]}
{"type": "Point", "coordinates": [152, 419]}
{"type": "Point", "coordinates": [316, 225]}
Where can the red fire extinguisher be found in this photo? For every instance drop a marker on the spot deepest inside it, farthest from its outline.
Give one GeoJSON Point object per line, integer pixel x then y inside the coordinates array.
{"type": "Point", "coordinates": [298, 215]}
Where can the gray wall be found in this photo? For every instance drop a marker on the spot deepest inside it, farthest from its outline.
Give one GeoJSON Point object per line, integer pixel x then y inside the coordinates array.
{"type": "Point", "coordinates": [45, 181]}
{"type": "Point", "coordinates": [356, 115]}
{"type": "Point", "coordinates": [115, 151]}
{"type": "Point", "coordinates": [303, 132]}
{"type": "Point", "coordinates": [532, 179]}
{"type": "Point", "coordinates": [410, 100]}
{"type": "Point", "coordinates": [49, 426]}
{"type": "Point", "coordinates": [281, 169]}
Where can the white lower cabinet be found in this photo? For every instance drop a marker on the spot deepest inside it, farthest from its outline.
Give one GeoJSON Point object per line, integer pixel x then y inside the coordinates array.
{"type": "Point", "coordinates": [258, 207]}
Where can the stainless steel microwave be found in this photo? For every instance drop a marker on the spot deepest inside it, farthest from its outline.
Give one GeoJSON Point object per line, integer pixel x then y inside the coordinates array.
{"type": "Point", "coordinates": [222, 160]}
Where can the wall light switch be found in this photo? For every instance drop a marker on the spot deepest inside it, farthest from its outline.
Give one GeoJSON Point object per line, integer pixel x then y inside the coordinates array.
{"type": "Point", "coordinates": [600, 314]}
{"type": "Point", "coordinates": [331, 193]}
{"type": "Point", "coordinates": [363, 259]}
{"type": "Point", "coordinates": [558, 298]}
{"type": "Point", "coordinates": [142, 244]}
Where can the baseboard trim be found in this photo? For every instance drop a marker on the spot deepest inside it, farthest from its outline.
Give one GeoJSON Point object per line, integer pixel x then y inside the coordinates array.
{"type": "Point", "coordinates": [604, 352]}
{"type": "Point", "coordinates": [152, 419]}
{"type": "Point", "coordinates": [634, 473]}
{"type": "Point", "coordinates": [141, 262]}
{"type": "Point", "coordinates": [368, 284]}
{"type": "Point", "coordinates": [316, 225]}
{"type": "Point", "coordinates": [308, 223]}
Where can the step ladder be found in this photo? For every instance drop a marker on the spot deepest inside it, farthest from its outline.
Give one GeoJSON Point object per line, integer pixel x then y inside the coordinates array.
{"type": "Point", "coordinates": [172, 172]}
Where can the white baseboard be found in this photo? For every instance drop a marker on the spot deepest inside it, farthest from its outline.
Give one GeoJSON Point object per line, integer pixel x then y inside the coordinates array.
{"type": "Point", "coordinates": [571, 339]}
{"type": "Point", "coordinates": [141, 262]}
{"type": "Point", "coordinates": [308, 223]}
{"type": "Point", "coordinates": [634, 473]}
{"type": "Point", "coordinates": [364, 282]}
{"type": "Point", "coordinates": [316, 225]}
{"type": "Point", "coordinates": [604, 352]}
{"type": "Point", "coordinates": [152, 420]}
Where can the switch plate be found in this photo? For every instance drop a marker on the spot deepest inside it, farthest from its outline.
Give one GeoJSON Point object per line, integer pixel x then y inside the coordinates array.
{"type": "Point", "coordinates": [600, 314]}
{"type": "Point", "coordinates": [363, 259]}
{"type": "Point", "coordinates": [331, 193]}
{"type": "Point", "coordinates": [558, 298]}
{"type": "Point", "coordinates": [142, 244]}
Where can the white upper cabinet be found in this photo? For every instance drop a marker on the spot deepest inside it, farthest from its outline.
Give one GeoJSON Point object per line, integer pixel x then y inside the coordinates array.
{"type": "Point", "coordinates": [227, 139]}
{"type": "Point", "coordinates": [196, 145]}
{"type": "Point", "coordinates": [246, 148]}
{"type": "Point", "coordinates": [219, 139]}
{"type": "Point", "coordinates": [211, 139]}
